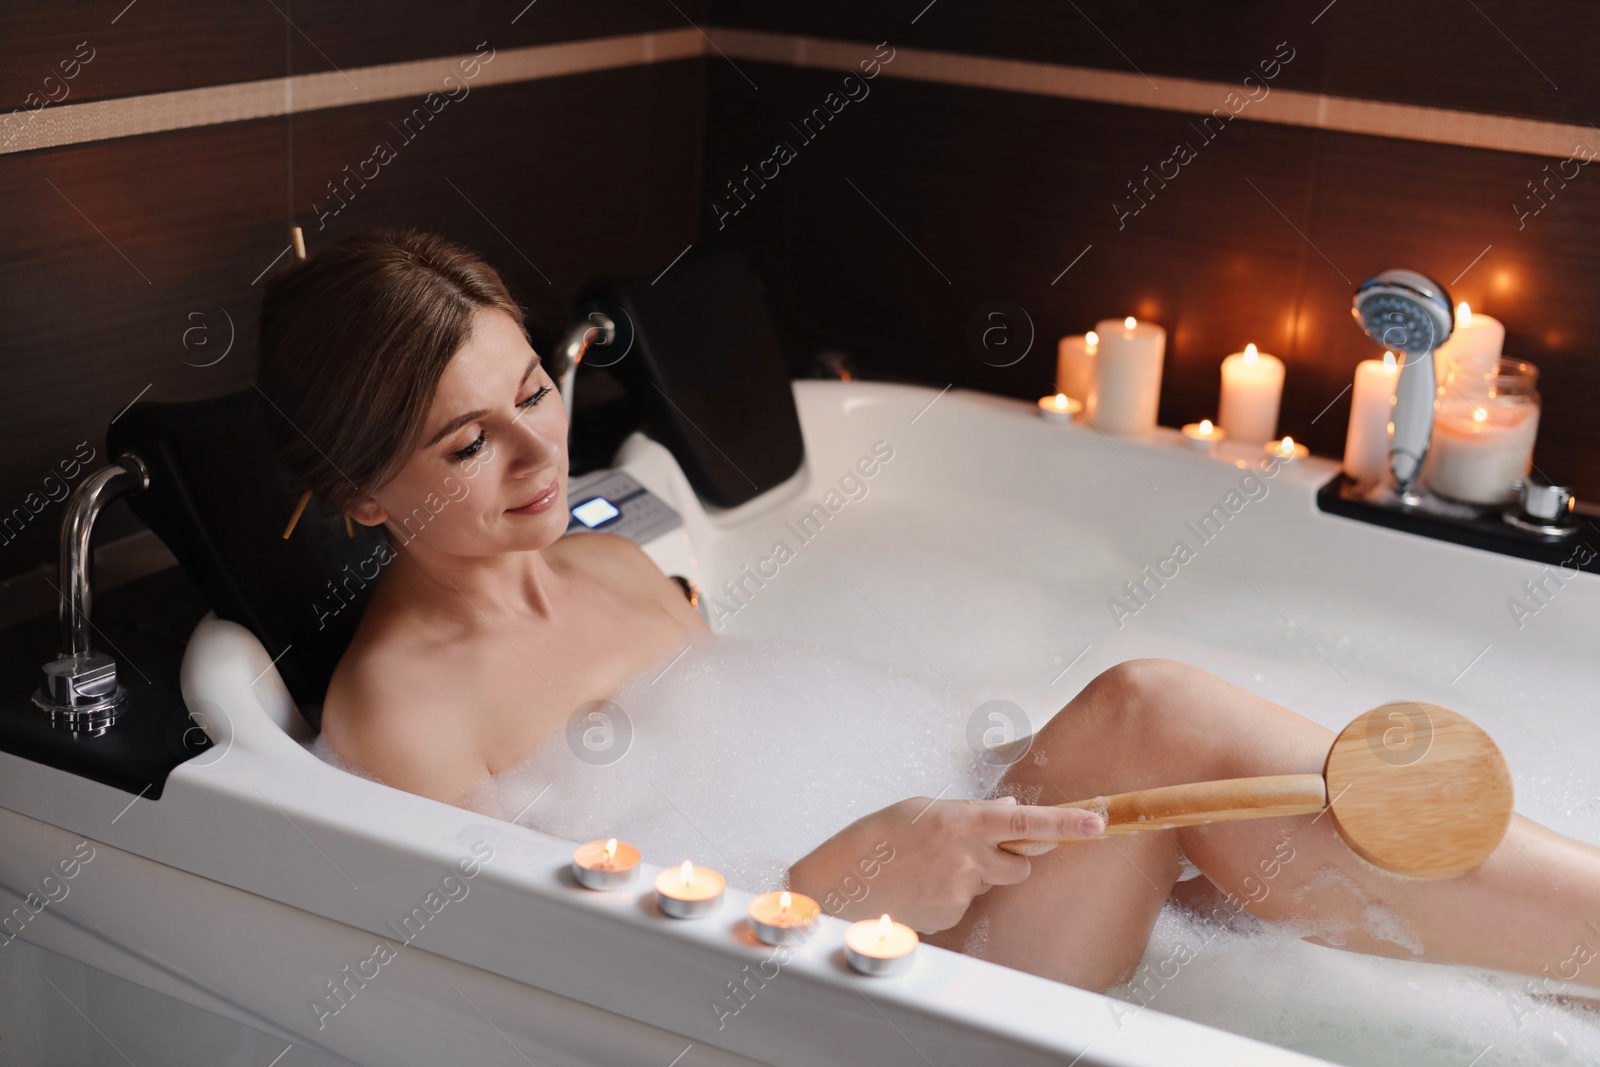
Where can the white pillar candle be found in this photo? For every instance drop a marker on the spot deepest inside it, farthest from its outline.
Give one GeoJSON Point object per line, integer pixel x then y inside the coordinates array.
{"type": "Point", "coordinates": [1366, 442]}
{"type": "Point", "coordinates": [1126, 388]}
{"type": "Point", "coordinates": [1478, 450]}
{"type": "Point", "coordinates": [1075, 364]}
{"type": "Point", "coordinates": [1252, 386]}
{"type": "Point", "coordinates": [1476, 341]}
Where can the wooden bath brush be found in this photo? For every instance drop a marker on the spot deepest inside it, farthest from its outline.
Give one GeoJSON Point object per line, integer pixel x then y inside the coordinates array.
{"type": "Point", "coordinates": [1416, 789]}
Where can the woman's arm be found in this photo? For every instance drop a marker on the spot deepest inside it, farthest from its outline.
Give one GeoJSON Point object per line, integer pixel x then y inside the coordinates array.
{"type": "Point", "coordinates": [923, 861]}
{"type": "Point", "coordinates": [393, 730]}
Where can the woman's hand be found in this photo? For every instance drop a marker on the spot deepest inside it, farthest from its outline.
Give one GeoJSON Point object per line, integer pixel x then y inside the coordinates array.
{"type": "Point", "coordinates": [924, 861]}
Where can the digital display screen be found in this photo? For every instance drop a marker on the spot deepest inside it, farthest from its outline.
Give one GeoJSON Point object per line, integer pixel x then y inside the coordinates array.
{"type": "Point", "coordinates": [595, 512]}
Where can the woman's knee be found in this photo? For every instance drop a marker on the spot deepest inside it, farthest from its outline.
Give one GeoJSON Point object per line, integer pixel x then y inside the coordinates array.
{"type": "Point", "coordinates": [1135, 717]}
{"type": "Point", "coordinates": [1138, 694]}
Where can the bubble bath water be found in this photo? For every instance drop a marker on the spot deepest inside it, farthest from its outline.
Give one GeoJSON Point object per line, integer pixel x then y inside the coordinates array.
{"type": "Point", "coordinates": [748, 753]}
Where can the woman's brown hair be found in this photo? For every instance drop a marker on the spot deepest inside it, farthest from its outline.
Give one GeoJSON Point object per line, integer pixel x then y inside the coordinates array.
{"type": "Point", "coordinates": [353, 342]}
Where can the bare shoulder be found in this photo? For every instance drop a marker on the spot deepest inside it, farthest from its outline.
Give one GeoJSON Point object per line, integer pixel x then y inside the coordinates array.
{"type": "Point", "coordinates": [622, 564]}
{"type": "Point", "coordinates": [389, 715]}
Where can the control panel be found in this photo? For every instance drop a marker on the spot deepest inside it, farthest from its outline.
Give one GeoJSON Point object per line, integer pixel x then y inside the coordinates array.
{"type": "Point", "coordinates": [613, 502]}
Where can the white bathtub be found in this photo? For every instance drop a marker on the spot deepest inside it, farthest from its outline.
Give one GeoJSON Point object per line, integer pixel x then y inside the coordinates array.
{"type": "Point", "coordinates": [203, 926]}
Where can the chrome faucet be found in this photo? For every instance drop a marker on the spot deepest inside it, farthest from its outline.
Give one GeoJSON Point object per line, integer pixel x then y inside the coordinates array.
{"type": "Point", "coordinates": [80, 689]}
{"type": "Point", "coordinates": [595, 328]}
{"type": "Point", "coordinates": [1410, 314]}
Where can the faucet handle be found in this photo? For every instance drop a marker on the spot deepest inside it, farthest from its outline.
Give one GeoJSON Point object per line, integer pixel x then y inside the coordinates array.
{"type": "Point", "coordinates": [81, 691]}
{"type": "Point", "coordinates": [1547, 502]}
{"type": "Point", "coordinates": [1545, 509]}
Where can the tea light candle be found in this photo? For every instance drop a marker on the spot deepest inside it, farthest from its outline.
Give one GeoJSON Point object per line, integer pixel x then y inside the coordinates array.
{"type": "Point", "coordinates": [1059, 408]}
{"type": "Point", "coordinates": [1252, 386]}
{"type": "Point", "coordinates": [1202, 435]}
{"type": "Point", "coordinates": [784, 918]}
{"type": "Point", "coordinates": [689, 892]}
{"type": "Point", "coordinates": [1366, 442]}
{"type": "Point", "coordinates": [609, 864]}
{"type": "Point", "coordinates": [879, 946]}
{"type": "Point", "coordinates": [1075, 364]}
{"type": "Point", "coordinates": [1285, 451]}
{"type": "Point", "coordinates": [1476, 340]}
{"type": "Point", "coordinates": [1477, 452]}
{"type": "Point", "coordinates": [1126, 386]}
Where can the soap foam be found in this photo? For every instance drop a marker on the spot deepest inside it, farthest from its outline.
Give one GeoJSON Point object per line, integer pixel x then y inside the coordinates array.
{"type": "Point", "coordinates": [747, 754]}
{"type": "Point", "coordinates": [1236, 972]}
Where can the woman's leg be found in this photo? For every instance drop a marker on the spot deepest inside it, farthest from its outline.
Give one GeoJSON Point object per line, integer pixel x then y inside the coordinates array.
{"type": "Point", "coordinates": [1084, 914]}
{"type": "Point", "coordinates": [1527, 908]}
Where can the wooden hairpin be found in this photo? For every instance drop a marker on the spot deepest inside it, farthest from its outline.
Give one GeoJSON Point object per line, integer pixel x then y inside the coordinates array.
{"type": "Point", "coordinates": [298, 510]}
{"type": "Point", "coordinates": [298, 237]}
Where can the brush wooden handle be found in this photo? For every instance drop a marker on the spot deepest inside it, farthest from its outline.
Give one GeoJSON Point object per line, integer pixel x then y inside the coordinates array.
{"type": "Point", "coordinates": [1169, 806]}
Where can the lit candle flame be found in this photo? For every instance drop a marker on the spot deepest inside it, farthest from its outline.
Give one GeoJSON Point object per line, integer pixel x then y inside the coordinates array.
{"type": "Point", "coordinates": [1388, 361]}
{"type": "Point", "coordinates": [610, 851]}
{"type": "Point", "coordinates": [1286, 446]}
{"type": "Point", "coordinates": [1479, 415]}
{"type": "Point", "coordinates": [1205, 427]}
{"type": "Point", "coordinates": [1129, 323]}
{"type": "Point", "coordinates": [1061, 401]}
{"type": "Point", "coordinates": [783, 903]}
{"type": "Point", "coordinates": [1250, 355]}
{"type": "Point", "coordinates": [1091, 339]}
{"type": "Point", "coordinates": [885, 928]}
{"type": "Point", "coordinates": [687, 871]}
{"type": "Point", "coordinates": [1463, 314]}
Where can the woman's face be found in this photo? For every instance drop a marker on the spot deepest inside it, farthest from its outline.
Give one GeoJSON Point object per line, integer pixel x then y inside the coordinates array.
{"type": "Point", "coordinates": [494, 442]}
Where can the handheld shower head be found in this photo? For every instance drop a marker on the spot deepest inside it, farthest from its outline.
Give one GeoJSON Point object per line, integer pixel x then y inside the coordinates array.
{"type": "Point", "coordinates": [1408, 313]}
{"type": "Point", "coordinates": [1404, 311]}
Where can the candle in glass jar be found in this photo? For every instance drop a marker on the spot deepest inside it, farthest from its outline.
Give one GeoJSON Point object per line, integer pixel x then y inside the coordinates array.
{"type": "Point", "coordinates": [1366, 442]}
{"type": "Point", "coordinates": [879, 946]}
{"type": "Point", "coordinates": [689, 892]}
{"type": "Point", "coordinates": [1075, 364]}
{"type": "Point", "coordinates": [1252, 386]}
{"type": "Point", "coordinates": [1475, 341]}
{"type": "Point", "coordinates": [1126, 388]}
{"type": "Point", "coordinates": [1478, 451]}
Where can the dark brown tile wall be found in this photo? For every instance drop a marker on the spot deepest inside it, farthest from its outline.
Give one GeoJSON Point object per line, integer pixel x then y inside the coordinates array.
{"type": "Point", "coordinates": [150, 47]}
{"type": "Point", "coordinates": [1261, 237]}
{"type": "Point", "coordinates": [349, 34]}
{"type": "Point", "coordinates": [153, 46]}
{"type": "Point", "coordinates": [1516, 57]}
{"type": "Point", "coordinates": [120, 258]}
{"type": "Point", "coordinates": [146, 247]}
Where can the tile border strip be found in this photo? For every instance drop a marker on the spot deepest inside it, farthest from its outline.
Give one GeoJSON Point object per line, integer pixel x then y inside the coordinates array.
{"type": "Point", "coordinates": [101, 120]}
{"type": "Point", "coordinates": [1289, 107]}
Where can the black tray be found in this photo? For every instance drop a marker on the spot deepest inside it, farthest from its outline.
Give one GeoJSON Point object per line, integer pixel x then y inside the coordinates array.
{"type": "Point", "coordinates": [1475, 527]}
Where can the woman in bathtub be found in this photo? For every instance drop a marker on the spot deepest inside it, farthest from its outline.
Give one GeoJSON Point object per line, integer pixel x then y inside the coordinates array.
{"type": "Point", "coordinates": [400, 359]}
